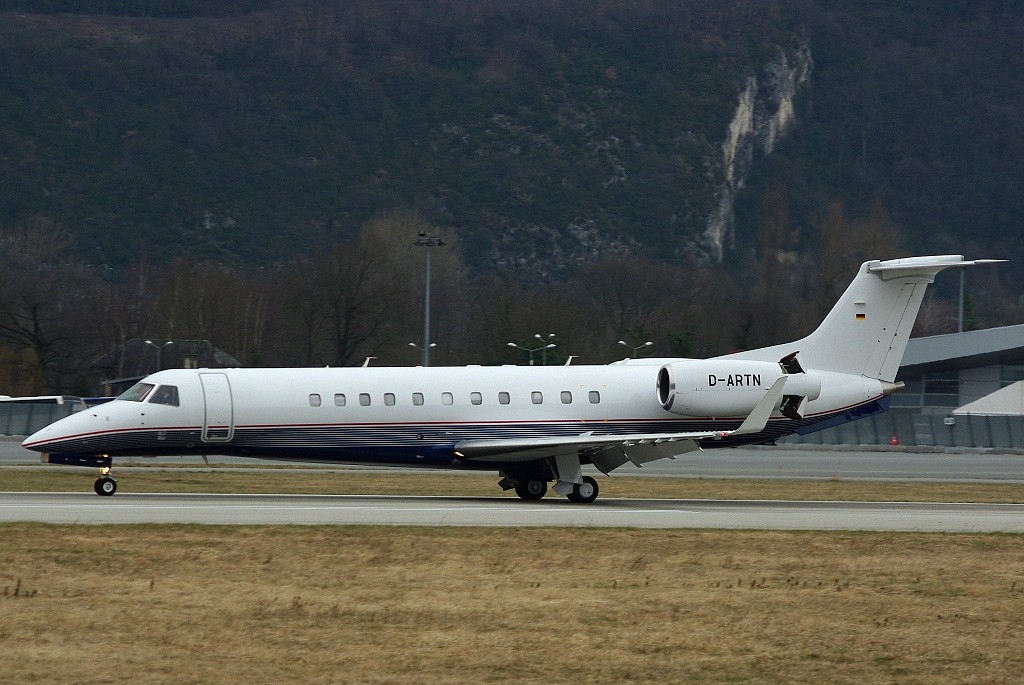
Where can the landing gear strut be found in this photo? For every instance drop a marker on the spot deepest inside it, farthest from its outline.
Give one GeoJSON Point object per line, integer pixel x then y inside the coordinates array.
{"type": "Point", "coordinates": [105, 485]}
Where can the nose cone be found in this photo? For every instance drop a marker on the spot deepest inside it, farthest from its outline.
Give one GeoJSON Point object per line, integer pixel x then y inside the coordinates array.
{"type": "Point", "coordinates": [61, 435]}
{"type": "Point", "coordinates": [40, 440]}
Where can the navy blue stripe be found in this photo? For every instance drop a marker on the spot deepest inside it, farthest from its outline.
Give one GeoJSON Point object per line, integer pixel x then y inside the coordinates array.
{"type": "Point", "coordinates": [402, 442]}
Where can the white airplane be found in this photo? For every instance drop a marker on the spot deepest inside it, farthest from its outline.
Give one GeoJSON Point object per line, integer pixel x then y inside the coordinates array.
{"type": "Point", "coordinates": [533, 425]}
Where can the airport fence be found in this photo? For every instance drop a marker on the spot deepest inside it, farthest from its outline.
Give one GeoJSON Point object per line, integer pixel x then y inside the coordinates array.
{"type": "Point", "coordinates": [914, 429]}
{"type": "Point", "coordinates": [24, 416]}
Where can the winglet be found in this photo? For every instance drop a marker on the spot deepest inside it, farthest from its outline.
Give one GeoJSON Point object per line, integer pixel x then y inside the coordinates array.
{"type": "Point", "coordinates": [758, 418]}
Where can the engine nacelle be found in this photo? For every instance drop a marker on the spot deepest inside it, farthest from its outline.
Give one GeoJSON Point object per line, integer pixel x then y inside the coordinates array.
{"type": "Point", "coordinates": [726, 387]}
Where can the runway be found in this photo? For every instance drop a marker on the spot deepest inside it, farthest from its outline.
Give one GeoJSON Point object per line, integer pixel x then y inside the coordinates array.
{"type": "Point", "coordinates": [495, 512]}
{"type": "Point", "coordinates": [772, 463]}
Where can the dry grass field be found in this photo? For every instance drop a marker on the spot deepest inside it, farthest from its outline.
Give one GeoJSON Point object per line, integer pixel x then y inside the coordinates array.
{"type": "Point", "coordinates": [328, 481]}
{"type": "Point", "coordinates": [179, 604]}
{"type": "Point", "coordinates": [200, 604]}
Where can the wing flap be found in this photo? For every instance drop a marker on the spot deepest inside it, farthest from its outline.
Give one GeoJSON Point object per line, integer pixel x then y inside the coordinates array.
{"type": "Point", "coordinates": [607, 459]}
{"type": "Point", "coordinates": [528, 449]}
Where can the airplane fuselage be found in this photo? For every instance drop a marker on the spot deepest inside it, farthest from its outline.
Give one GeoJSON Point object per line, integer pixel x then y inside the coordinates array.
{"type": "Point", "coordinates": [412, 416]}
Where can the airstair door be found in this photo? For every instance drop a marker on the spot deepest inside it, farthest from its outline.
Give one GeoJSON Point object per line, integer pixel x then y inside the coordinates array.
{"type": "Point", "coordinates": [219, 419]}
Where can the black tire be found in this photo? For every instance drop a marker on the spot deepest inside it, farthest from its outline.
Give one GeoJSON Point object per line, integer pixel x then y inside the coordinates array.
{"type": "Point", "coordinates": [585, 492]}
{"type": "Point", "coordinates": [105, 486]}
{"type": "Point", "coordinates": [532, 489]}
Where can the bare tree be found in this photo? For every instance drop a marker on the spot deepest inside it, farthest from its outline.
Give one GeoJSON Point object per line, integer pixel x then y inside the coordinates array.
{"type": "Point", "coordinates": [39, 301]}
{"type": "Point", "coordinates": [119, 311]}
{"type": "Point", "coordinates": [211, 301]}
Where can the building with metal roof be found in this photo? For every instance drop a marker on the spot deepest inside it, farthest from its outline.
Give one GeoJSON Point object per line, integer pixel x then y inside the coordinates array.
{"type": "Point", "coordinates": [943, 373]}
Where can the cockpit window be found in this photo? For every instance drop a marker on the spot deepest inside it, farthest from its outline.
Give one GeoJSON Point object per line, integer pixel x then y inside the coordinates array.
{"type": "Point", "coordinates": [165, 394]}
{"type": "Point", "coordinates": [136, 393]}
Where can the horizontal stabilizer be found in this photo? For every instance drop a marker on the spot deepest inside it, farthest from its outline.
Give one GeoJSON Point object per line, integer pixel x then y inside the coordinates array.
{"type": "Point", "coordinates": [923, 266]}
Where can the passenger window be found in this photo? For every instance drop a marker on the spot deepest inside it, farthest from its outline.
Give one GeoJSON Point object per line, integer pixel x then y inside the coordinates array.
{"type": "Point", "coordinates": [503, 398]}
{"type": "Point", "coordinates": [136, 393]}
{"type": "Point", "coordinates": [165, 394]}
{"type": "Point", "coordinates": [417, 399]}
{"type": "Point", "coordinates": [566, 397]}
{"type": "Point", "coordinates": [389, 399]}
{"type": "Point", "coordinates": [364, 399]}
{"type": "Point", "coordinates": [595, 397]}
{"type": "Point", "coordinates": [446, 398]}
{"type": "Point", "coordinates": [339, 400]}
{"type": "Point", "coordinates": [537, 397]}
{"type": "Point", "coordinates": [314, 400]}
{"type": "Point", "coordinates": [476, 398]}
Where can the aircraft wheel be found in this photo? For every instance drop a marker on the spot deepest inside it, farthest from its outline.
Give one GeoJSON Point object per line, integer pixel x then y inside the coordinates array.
{"type": "Point", "coordinates": [585, 492]}
{"type": "Point", "coordinates": [105, 485]}
{"type": "Point", "coordinates": [532, 489]}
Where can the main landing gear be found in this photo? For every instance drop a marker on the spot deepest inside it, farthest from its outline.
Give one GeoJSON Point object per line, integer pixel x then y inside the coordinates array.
{"type": "Point", "coordinates": [585, 492]}
{"type": "Point", "coordinates": [531, 489]}
{"type": "Point", "coordinates": [581, 493]}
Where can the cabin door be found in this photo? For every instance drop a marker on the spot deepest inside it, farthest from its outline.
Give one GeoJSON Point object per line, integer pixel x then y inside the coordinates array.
{"type": "Point", "coordinates": [219, 419]}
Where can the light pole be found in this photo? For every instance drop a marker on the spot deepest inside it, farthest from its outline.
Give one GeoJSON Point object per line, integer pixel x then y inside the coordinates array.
{"type": "Point", "coordinates": [636, 350]}
{"type": "Point", "coordinates": [417, 347]}
{"type": "Point", "coordinates": [427, 241]}
{"type": "Point", "coordinates": [159, 349]}
{"type": "Point", "coordinates": [534, 349]}
{"type": "Point", "coordinates": [963, 267]}
{"type": "Point", "coordinates": [538, 336]}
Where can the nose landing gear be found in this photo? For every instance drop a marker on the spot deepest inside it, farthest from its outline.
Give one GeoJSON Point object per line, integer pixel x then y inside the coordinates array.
{"type": "Point", "coordinates": [105, 485]}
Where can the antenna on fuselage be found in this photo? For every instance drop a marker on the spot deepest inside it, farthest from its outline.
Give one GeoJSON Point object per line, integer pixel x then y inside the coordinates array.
{"type": "Point", "coordinates": [367, 362]}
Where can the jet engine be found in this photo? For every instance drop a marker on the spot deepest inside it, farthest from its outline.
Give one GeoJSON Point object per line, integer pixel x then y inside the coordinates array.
{"type": "Point", "coordinates": [732, 387]}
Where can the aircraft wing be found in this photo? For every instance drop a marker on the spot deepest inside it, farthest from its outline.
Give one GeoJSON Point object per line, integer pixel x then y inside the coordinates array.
{"type": "Point", "coordinates": [607, 451]}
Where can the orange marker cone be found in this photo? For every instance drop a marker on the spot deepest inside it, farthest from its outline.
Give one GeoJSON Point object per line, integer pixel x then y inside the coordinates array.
{"type": "Point", "coordinates": [894, 442]}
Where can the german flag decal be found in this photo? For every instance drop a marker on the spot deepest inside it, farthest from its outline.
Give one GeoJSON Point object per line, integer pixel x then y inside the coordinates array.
{"type": "Point", "coordinates": [861, 316]}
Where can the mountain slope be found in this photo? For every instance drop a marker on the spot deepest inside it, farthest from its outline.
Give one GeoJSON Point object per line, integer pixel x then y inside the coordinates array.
{"type": "Point", "coordinates": [544, 133]}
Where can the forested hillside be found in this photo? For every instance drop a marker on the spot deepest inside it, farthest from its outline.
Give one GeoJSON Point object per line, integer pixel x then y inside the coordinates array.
{"type": "Point", "coordinates": [704, 175]}
{"type": "Point", "coordinates": [915, 105]}
{"type": "Point", "coordinates": [558, 130]}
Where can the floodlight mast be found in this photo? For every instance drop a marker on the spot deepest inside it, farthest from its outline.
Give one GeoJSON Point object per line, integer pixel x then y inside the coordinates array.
{"type": "Point", "coordinates": [159, 350]}
{"type": "Point", "coordinates": [635, 349]}
{"type": "Point", "coordinates": [428, 241]}
{"type": "Point", "coordinates": [531, 350]}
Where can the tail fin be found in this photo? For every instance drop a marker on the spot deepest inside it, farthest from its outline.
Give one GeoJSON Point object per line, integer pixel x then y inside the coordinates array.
{"type": "Point", "coordinates": [867, 330]}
